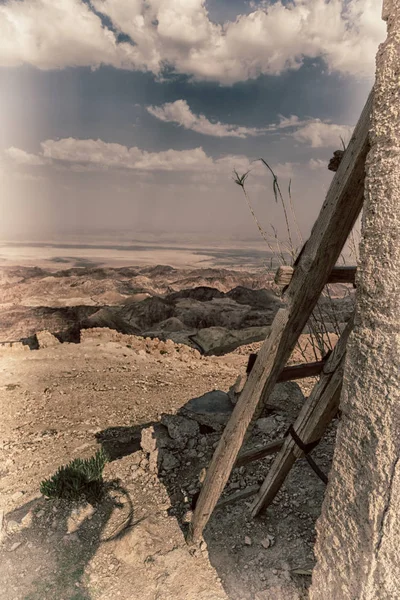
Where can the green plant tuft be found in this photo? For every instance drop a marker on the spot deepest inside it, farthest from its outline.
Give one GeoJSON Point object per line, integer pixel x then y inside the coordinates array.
{"type": "Point", "coordinates": [79, 479]}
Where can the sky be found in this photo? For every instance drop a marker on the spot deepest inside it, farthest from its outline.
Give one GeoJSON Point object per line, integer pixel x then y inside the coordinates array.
{"type": "Point", "coordinates": [130, 116]}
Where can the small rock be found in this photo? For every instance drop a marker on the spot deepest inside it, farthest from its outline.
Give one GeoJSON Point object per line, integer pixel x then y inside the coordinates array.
{"type": "Point", "coordinates": [267, 425]}
{"type": "Point", "coordinates": [77, 517]}
{"type": "Point", "coordinates": [46, 339]}
{"type": "Point", "coordinates": [265, 543]}
{"type": "Point", "coordinates": [247, 541]}
{"type": "Point", "coordinates": [234, 486]}
{"type": "Point", "coordinates": [180, 429]}
{"type": "Point", "coordinates": [136, 458]}
{"type": "Point", "coordinates": [236, 389]}
{"type": "Point", "coordinates": [15, 546]}
{"type": "Point", "coordinates": [17, 495]}
{"type": "Point", "coordinates": [169, 461]}
{"type": "Point", "coordinates": [155, 437]}
{"type": "Point", "coordinates": [27, 520]}
{"type": "Point", "coordinates": [13, 526]}
{"type": "Point", "coordinates": [191, 454]}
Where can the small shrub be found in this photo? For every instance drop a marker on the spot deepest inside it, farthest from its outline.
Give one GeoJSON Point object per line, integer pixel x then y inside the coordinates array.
{"type": "Point", "coordinates": [79, 479]}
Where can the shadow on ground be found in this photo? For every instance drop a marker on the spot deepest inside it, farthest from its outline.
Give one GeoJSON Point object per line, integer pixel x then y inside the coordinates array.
{"type": "Point", "coordinates": [263, 558]}
{"type": "Point", "coordinates": [63, 537]}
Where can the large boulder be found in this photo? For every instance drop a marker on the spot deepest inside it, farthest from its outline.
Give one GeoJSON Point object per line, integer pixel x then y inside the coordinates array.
{"type": "Point", "coordinates": [219, 340]}
{"type": "Point", "coordinates": [213, 409]}
{"type": "Point", "coordinates": [262, 299]}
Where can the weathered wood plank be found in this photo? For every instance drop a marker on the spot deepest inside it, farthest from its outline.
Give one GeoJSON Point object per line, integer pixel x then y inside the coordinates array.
{"type": "Point", "coordinates": [292, 372]}
{"type": "Point", "coordinates": [240, 495]}
{"type": "Point", "coordinates": [315, 415]}
{"type": "Point", "coordinates": [337, 217]}
{"type": "Point", "coordinates": [258, 453]}
{"type": "Point", "coordinates": [284, 275]}
{"type": "Point", "coordinates": [301, 371]}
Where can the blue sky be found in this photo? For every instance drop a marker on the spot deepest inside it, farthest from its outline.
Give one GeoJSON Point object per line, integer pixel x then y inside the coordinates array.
{"type": "Point", "coordinates": [121, 114]}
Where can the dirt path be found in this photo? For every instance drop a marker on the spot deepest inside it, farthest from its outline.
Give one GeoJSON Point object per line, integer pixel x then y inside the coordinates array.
{"type": "Point", "coordinates": [58, 404]}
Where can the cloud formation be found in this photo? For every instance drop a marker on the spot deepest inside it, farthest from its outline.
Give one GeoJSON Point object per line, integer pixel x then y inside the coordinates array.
{"type": "Point", "coordinates": [318, 134]}
{"type": "Point", "coordinates": [89, 154]}
{"type": "Point", "coordinates": [20, 157]}
{"type": "Point", "coordinates": [180, 113]}
{"type": "Point", "coordinates": [316, 163]}
{"type": "Point", "coordinates": [273, 38]}
{"type": "Point", "coordinates": [312, 132]}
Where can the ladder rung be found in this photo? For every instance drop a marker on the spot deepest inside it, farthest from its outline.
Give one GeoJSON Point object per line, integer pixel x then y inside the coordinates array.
{"type": "Point", "coordinates": [338, 275]}
{"type": "Point", "coordinates": [258, 453]}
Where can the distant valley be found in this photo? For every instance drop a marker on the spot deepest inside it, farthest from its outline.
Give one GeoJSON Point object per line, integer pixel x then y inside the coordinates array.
{"type": "Point", "coordinates": [213, 310]}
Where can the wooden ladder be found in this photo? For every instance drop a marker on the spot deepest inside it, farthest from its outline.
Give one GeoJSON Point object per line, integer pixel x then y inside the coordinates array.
{"type": "Point", "coordinates": [314, 268]}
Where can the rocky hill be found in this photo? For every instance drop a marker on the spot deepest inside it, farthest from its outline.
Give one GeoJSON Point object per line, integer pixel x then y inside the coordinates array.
{"type": "Point", "coordinates": [212, 310]}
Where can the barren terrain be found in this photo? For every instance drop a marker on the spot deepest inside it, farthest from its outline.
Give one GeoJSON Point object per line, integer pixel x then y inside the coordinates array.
{"type": "Point", "coordinates": [138, 361]}
{"type": "Point", "coordinates": [213, 310]}
{"type": "Point", "coordinates": [62, 401]}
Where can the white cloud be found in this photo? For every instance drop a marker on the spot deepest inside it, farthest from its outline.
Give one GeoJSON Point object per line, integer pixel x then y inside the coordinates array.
{"type": "Point", "coordinates": [88, 155]}
{"type": "Point", "coordinates": [53, 35]}
{"type": "Point", "coordinates": [314, 132]}
{"type": "Point", "coordinates": [179, 112]}
{"type": "Point", "coordinates": [316, 163]}
{"type": "Point", "coordinates": [286, 123]}
{"type": "Point", "coordinates": [20, 157]}
{"type": "Point", "coordinates": [271, 39]}
{"type": "Point", "coordinates": [318, 134]}
{"type": "Point", "coordinates": [284, 170]}
{"type": "Point", "coordinates": [92, 155]}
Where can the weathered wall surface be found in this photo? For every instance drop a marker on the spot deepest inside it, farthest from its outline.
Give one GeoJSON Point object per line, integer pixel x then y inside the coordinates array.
{"type": "Point", "coordinates": [358, 543]}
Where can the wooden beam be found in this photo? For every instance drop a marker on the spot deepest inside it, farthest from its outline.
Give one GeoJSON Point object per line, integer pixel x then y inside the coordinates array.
{"type": "Point", "coordinates": [301, 371]}
{"type": "Point", "coordinates": [336, 220]}
{"type": "Point", "coordinates": [315, 415]}
{"type": "Point", "coordinates": [240, 495]}
{"type": "Point", "coordinates": [338, 275]}
{"type": "Point", "coordinates": [258, 453]}
{"type": "Point", "coordinates": [292, 372]}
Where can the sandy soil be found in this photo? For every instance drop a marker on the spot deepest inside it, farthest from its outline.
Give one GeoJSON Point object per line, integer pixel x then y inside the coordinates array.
{"type": "Point", "coordinates": [60, 403]}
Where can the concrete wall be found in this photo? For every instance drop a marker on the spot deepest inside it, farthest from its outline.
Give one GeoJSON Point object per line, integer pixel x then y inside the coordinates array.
{"type": "Point", "coordinates": [358, 541]}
